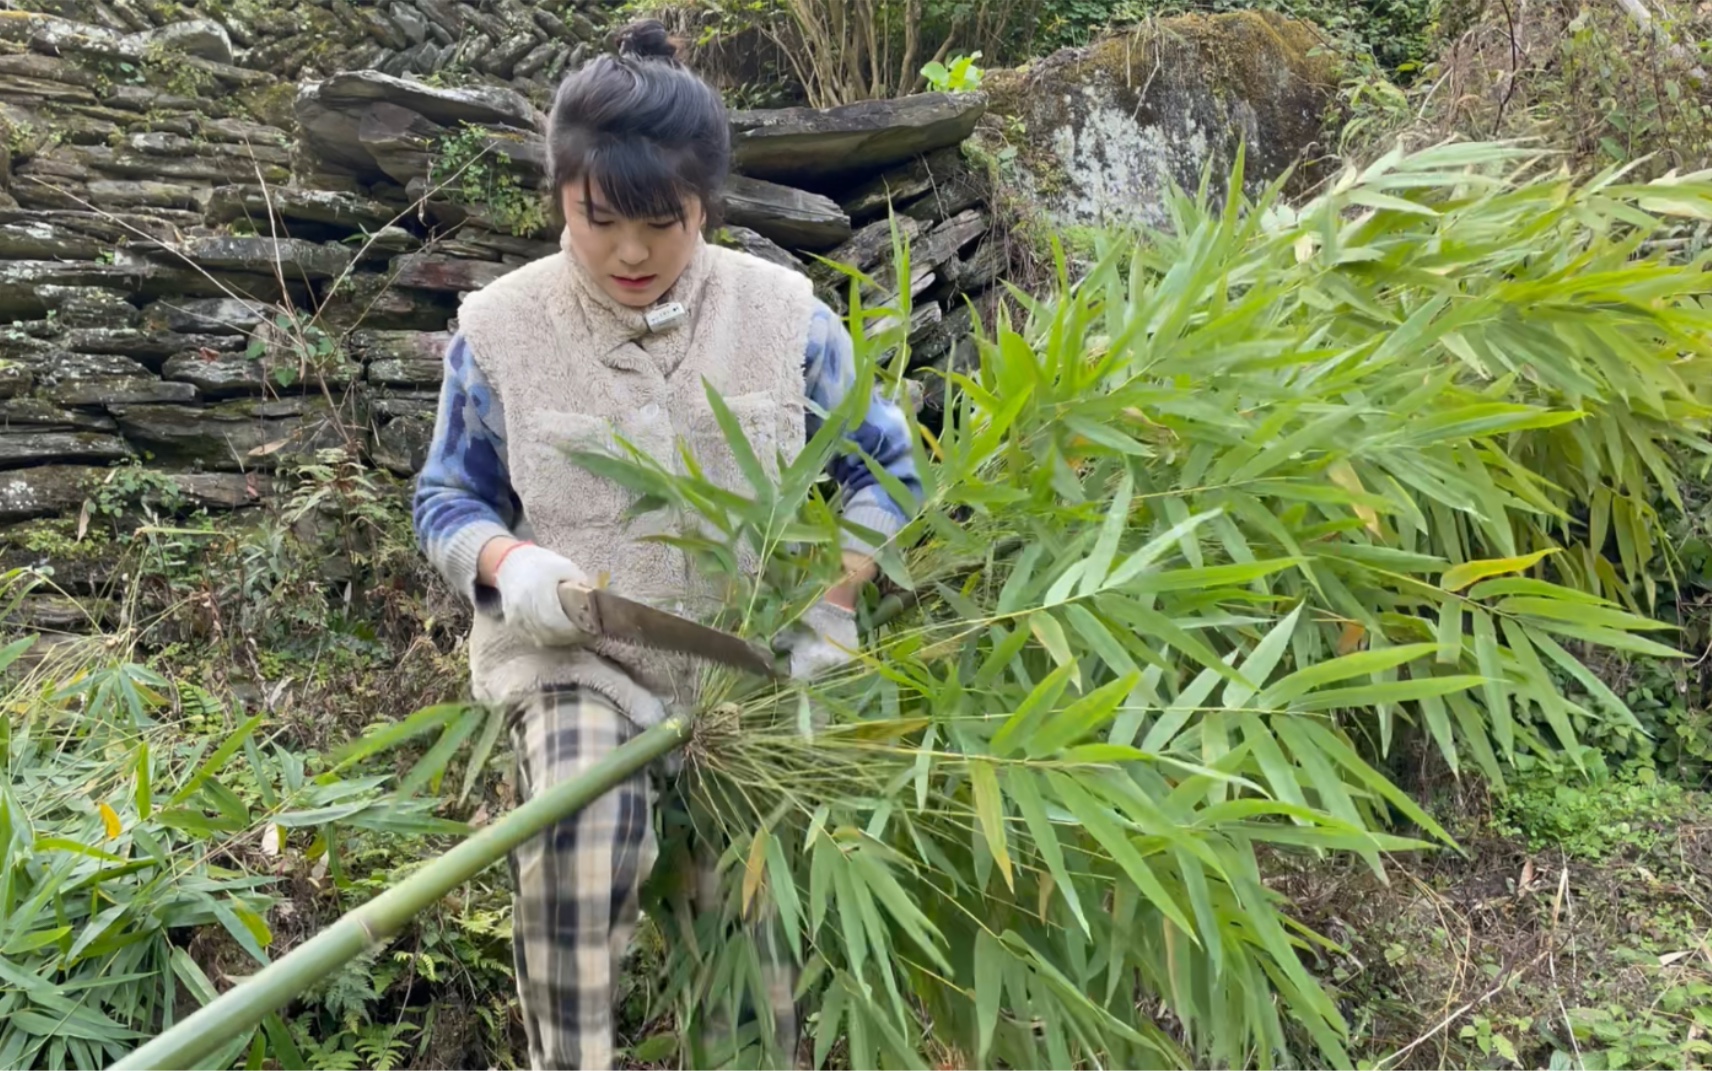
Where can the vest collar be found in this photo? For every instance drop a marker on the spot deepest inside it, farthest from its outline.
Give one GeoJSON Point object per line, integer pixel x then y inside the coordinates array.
{"type": "Point", "coordinates": [619, 333]}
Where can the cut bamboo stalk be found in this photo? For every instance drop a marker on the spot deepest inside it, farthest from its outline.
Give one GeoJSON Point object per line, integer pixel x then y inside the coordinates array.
{"type": "Point", "coordinates": [244, 1006]}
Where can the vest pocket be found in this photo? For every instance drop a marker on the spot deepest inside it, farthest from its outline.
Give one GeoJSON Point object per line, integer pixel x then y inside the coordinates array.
{"type": "Point", "coordinates": [762, 419]}
{"type": "Point", "coordinates": [566, 503]}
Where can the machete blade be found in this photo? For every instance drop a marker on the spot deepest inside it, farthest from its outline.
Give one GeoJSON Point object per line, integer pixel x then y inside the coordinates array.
{"type": "Point", "coordinates": [601, 611]}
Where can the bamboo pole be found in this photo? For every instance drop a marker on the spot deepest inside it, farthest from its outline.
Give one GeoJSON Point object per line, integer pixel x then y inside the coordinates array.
{"type": "Point", "coordinates": [244, 1006]}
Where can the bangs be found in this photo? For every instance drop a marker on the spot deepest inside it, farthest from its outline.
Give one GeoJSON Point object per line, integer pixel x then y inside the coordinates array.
{"type": "Point", "coordinates": [637, 179]}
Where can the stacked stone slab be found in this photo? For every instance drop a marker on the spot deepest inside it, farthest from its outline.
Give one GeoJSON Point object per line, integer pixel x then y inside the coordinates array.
{"type": "Point", "coordinates": [204, 281]}
{"type": "Point", "coordinates": [525, 45]}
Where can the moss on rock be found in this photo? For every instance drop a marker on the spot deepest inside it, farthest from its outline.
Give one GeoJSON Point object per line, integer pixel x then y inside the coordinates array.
{"type": "Point", "coordinates": [1097, 134]}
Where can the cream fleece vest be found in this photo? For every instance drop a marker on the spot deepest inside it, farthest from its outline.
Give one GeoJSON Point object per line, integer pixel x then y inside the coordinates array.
{"type": "Point", "coordinates": [571, 368]}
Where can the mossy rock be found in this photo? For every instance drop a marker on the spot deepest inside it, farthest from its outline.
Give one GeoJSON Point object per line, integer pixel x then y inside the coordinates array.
{"type": "Point", "coordinates": [270, 104]}
{"type": "Point", "coordinates": [1097, 134]}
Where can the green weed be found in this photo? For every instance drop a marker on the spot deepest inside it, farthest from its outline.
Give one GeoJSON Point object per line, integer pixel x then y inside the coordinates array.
{"type": "Point", "coordinates": [1593, 819]}
{"type": "Point", "coordinates": [476, 174]}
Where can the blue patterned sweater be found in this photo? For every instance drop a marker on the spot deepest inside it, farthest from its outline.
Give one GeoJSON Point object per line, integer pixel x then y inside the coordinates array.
{"type": "Point", "coordinates": [464, 495]}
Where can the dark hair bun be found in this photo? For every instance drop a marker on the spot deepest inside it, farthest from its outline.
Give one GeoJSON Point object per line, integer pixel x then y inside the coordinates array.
{"type": "Point", "coordinates": [646, 39]}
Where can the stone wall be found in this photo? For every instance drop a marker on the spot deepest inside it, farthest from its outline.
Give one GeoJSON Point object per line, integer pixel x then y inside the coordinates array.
{"type": "Point", "coordinates": [215, 271]}
{"type": "Point", "coordinates": [525, 45]}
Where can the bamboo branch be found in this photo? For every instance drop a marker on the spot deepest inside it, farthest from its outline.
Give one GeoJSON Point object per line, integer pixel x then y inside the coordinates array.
{"type": "Point", "coordinates": [245, 1005]}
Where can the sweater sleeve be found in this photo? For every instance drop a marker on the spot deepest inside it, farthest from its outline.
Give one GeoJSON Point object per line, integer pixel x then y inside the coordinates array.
{"type": "Point", "coordinates": [829, 374]}
{"type": "Point", "coordinates": [464, 495]}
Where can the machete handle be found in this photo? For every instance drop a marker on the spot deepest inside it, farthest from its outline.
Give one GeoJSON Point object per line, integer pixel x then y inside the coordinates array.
{"type": "Point", "coordinates": [579, 606]}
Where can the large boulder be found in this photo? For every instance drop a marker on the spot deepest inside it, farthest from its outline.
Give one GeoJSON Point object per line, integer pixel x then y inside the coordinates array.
{"type": "Point", "coordinates": [1107, 128]}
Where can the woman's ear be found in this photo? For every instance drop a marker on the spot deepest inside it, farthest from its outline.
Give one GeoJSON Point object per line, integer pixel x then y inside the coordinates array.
{"type": "Point", "coordinates": [697, 217]}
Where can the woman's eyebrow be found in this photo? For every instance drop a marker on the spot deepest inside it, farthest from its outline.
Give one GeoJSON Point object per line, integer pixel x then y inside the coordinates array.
{"type": "Point", "coordinates": [591, 207]}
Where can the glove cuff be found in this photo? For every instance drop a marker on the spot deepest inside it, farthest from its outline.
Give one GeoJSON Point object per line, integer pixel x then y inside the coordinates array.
{"type": "Point", "coordinates": [825, 613]}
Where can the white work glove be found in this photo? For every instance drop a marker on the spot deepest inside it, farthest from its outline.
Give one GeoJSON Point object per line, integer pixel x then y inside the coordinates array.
{"type": "Point", "coordinates": [528, 584]}
{"type": "Point", "coordinates": [822, 639]}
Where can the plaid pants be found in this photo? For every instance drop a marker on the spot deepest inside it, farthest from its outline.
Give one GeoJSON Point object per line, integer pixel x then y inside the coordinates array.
{"type": "Point", "coordinates": [577, 885]}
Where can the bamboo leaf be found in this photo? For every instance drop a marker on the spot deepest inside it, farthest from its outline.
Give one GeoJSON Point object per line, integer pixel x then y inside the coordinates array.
{"type": "Point", "coordinates": [1449, 633]}
{"type": "Point", "coordinates": [215, 761]}
{"type": "Point", "coordinates": [1020, 726]}
{"type": "Point", "coordinates": [754, 866]}
{"type": "Point", "coordinates": [387, 737]}
{"type": "Point", "coordinates": [1357, 664]}
{"type": "Point", "coordinates": [987, 992]}
{"type": "Point", "coordinates": [989, 808]}
{"type": "Point", "coordinates": [1461, 576]}
{"type": "Point", "coordinates": [1106, 548]}
{"type": "Point", "coordinates": [1346, 757]}
{"type": "Point", "coordinates": [15, 650]}
{"type": "Point", "coordinates": [1099, 824]}
{"type": "Point", "coordinates": [784, 889]}
{"type": "Point", "coordinates": [1051, 636]}
{"type": "Point", "coordinates": [1279, 773]}
{"type": "Point", "coordinates": [1258, 666]}
{"type": "Point", "coordinates": [1493, 683]}
{"type": "Point", "coordinates": [1576, 612]}
{"type": "Point", "coordinates": [1020, 783]}
{"type": "Point", "coordinates": [1438, 725]}
{"type": "Point", "coordinates": [1100, 639]}
{"type": "Point", "coordinates": [738, 442]}
{"type": "Point", "coordinates": [1373, 695]}
{"type": "Point", "coordinates": [493, 725]}
{"type": "Point", "coordinates": [1154, 549]}
{"type": "Point", "coordinates": [1080, 718]}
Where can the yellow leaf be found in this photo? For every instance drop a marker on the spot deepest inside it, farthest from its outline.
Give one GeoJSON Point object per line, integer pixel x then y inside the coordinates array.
{"type": "Point", "coordinates": [1343, 474]}
{"type": "Point", "coordinates": [110, 819]}
{"type": "Point", "coordinates": [1350, 638]}
{"type": "Point", "coordinates": [754, 868]}
{"type": "Point", "coordinates": [1458, 577]}
{"type": "Point", "coordinates": [933, 444]}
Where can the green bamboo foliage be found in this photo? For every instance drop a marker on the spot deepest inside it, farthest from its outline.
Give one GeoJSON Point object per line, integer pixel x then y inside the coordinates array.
{"type": "Point", "coordinates": [1205, 531]}
{"type": "Point", "coordinates": [226, 1025]}
{"type": "Point", "coordinates": [121, 835]}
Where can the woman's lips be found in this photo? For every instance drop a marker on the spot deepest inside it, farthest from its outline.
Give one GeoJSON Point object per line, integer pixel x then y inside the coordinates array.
{"type": "Point", "coordinates": [635, 282]}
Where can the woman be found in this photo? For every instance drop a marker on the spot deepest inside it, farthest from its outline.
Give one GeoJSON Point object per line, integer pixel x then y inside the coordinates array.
{"type": "Point", "coordinates": [616, 334]}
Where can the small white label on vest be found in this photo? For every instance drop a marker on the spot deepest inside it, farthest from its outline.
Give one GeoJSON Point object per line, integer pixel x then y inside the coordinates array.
{"type": "Point", "coordinates": [665, 317]}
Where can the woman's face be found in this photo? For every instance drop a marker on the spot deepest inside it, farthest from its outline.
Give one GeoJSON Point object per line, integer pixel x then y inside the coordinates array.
{"type": "Point", "coordinates": [635, 260]}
